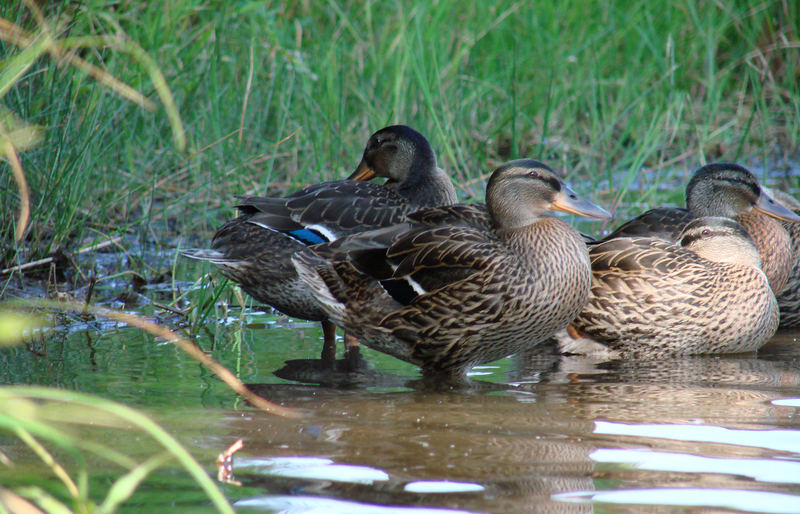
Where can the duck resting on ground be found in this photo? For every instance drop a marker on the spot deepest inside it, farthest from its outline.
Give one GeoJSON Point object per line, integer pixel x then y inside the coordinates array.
{"type": "Point", "coordinates": [789, 297]}
{"type": "Point", "coordinates": [462, 285]}
{"type": "Point", "coordinates": [651, 298]}
{"type": "Point", "coordinates": [255, 249]}
{"type": "Point", "coordinates": [729, 190]}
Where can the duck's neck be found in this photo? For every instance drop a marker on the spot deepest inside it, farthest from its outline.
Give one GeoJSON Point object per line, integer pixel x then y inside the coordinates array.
{"type": "Point", "coordinates": [545, 230]}
{"type": "Point", "coordinates": [427, 188]}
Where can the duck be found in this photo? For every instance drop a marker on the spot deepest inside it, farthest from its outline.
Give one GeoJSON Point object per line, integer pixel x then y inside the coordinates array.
{"type": "Point", "coordinates": [457, 286]}
{"type": "Point", "coordinates": [652, 298]}
{"type": "Point", "coordinates": [255, 249]}
{"type": "Point", "coordinates": [729, 190]}
{"type": "Point", "coordinates": [789, 296]}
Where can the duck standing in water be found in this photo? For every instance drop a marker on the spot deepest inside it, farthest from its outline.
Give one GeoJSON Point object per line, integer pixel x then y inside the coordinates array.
{"type": "Point", "coordinates": [729, 190]}
{"type": "Point", "coordinates": [255, 249]}
{"type": "Point", "coordinates": [651, 298]}
{"type": "Point", "coordinates": [462, 285]}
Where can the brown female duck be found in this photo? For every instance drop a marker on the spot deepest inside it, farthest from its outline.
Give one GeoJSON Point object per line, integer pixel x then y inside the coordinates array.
{"type": "Point", "coordinates": [461, 285]}
{"type": "Point", "coordinates": [729, 190]}
{"type": "Point", "coordinates": [651, 298]}
{"type": "Point", "coordinates": [789, 296]}
{"type": "Point", "coordinates": [255, 249]}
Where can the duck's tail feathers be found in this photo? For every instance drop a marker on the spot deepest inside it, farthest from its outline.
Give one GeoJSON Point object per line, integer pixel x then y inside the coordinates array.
{"type": "Point", "coordinates": [212, 256]}
{"type": "Point", "coordinates": [328, 287]}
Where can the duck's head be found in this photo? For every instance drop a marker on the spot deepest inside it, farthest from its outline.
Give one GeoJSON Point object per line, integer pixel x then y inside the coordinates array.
{"type": "Point", "coordinates": [520, 191]}
{"type": "Point", "coordinates": [720, 240]}
{"type": "Point", "coordinates": [394, 153]}
{"type": "Point", "coordinates": [727, 189]}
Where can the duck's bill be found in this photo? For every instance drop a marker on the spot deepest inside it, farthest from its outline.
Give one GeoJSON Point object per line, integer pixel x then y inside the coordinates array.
{"type": "Point", "coordinates": [363, 172]}
{"type": "Point", "coordinates": [770, 207]}
{"type": "Point", "coordinates": [568, 200]}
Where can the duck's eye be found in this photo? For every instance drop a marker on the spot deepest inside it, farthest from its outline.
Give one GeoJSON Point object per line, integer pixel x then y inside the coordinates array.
{"type": "Point", "coordinates": [705, 232]}
{"type": "Point", "coordinates": [533, 174]}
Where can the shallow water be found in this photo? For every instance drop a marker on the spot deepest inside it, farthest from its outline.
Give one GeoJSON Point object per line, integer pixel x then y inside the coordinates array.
{"type": "Point", "coordinates": [531, 433]}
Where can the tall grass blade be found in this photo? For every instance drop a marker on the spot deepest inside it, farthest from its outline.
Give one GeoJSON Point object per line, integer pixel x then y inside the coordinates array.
{"type": "Point", "coordinates": [18, 502]}
{"type": "Point", "coordinates": [8, 151]}
{"type": "Point", "coordinates": [48, 460]}
{"type": "Point", "coordinates": [124, 487]}
{"type": "Point", "coordinates": [140, 421]}
{"type": "Point", "coordinates": [15, 67]}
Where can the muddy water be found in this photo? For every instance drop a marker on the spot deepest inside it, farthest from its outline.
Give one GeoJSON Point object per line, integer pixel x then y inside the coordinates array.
{"type": "Point", "coordinates": [531, 433]}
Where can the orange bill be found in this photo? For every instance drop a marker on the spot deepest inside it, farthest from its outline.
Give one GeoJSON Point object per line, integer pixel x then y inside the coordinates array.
{"type": "Point", "coordinates": [363, 172]}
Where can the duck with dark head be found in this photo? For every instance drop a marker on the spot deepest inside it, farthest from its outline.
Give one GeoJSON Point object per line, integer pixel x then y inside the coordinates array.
{"type": "Point", "coordinates": [255, 249]}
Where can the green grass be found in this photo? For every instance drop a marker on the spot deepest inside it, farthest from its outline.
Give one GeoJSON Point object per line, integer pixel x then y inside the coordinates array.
{"type": "Point", "coordinates": [277, 95]}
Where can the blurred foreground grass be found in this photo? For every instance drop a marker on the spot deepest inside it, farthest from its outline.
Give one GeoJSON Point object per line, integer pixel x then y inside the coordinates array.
{"type": "Point", "coordinates": [275, 95]}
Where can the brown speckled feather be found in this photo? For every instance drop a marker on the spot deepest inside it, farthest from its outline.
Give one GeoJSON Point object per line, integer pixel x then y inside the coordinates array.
{"type": "Point", "coordinates": [653, 298]}
{"type": "Point", "coordinates": [662, 222]}
{"type": "Point", "coordinates": [722, 189]}
{"type": "Point", "coordinates": [255, 249]}
{"type": "Point", "coordinates": [789, 297]}
{"type": "Point", "coordinates": [483, 292]}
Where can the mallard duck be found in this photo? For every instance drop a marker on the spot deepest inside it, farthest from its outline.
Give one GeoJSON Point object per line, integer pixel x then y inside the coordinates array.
{"type": "Point", "coordinates": [255, 249]}
{"type": "Point", "coordinates": [457, 286]}
{"type": "Point", "coordinates": [730, 190]}
{"type": "Point", "coordinates": [652, 298]}
{"type": "Point", "coordinates": [789, 296]}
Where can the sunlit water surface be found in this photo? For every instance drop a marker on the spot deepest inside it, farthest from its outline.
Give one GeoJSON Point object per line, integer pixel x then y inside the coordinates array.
{"type": "Point", "coordinates": [530, 433]}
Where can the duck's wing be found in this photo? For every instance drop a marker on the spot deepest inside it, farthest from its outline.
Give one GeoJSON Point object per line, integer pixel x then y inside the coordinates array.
{"type": "Point", "coordinates": [326, 211]}
{"type": "Point", "coordinates": [663, 222]}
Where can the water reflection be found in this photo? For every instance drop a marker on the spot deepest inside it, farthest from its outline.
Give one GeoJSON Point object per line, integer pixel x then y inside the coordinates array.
{"type": "Point", "coordinates": [534, 433]}
{"type": "Point", "coordinates": [752, 501]}
{"type": "Point", "coordinates": [423, 440]}
{"type": "Point", "coordinates": [765, 470]}
{"type": "Point", "coordinates": [732, 391]}
{"type": "Point", "coordinates": [309, 504]}
{"type": "Point", "coordinates": [559, 431]}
